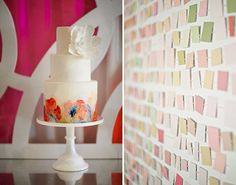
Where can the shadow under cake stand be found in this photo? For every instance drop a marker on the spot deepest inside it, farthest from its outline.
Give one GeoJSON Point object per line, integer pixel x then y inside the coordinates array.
{"type": "Point", "coordinates": [70, 161]}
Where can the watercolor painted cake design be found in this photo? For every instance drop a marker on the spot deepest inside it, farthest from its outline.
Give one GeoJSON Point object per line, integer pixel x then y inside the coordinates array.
{"type": "Point", "coordinates": [70, 96]}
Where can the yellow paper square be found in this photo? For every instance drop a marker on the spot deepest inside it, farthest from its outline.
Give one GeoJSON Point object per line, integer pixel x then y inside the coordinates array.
{"type": "Point", "coordinates": [159, 27]}
{"type": "Point", "coordinates": [216, 56]}
{"type": "Point", "coordinates": [176, 78]}
{"type": "Point", "coordinates": [175, 38]}
{"type": "Point", "coordinates": [190, 60]}
{"type": "Point", "coordinates": [206, 155]}
{"type": "Point", "coordinates": [167, 24]}
{"type": "Point", "coordinates": [208, 80]}
{"type": "Point", "coordinates": [182, 125]}
{"type": "Point", "coordinates": [181, 57]}
{"type": "Point", "coordinates": [214, 181]}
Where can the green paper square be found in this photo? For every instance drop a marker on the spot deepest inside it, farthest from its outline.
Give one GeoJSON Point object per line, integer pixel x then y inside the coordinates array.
{"type": "Point", "coordinates": [192, 16]}
{"type": "Point", "coordinates": [231, 6]}
{"type": "Point", "coordinates": [195, 34]}
{"type": "Point", "coordinates": [181, 57]}
{"type": "Point", "coordinates": [207, 31]}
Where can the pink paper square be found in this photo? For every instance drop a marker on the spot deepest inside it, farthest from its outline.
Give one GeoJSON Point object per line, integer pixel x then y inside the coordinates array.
{"type": "Point", "coordinates": [220, 162]}
{"type": "Point", "coordinates": [202, 58]}
{"type": "Point", "coordinates": [178, 180]}
{"type": "Point", "coordinates": [156, 151]}
{"type": "Point", "coordinates": [214, 138]}
{"type": "Point", "coordinates": [222, 80]}
{"type": "Point", "coordinates": [184, 165]}
{"type": "Point", "coordinates": [167, 157]}
{"type": "Point", "coordinates": [180, 102]}
{"type": "Point", "coordinates": [199, 104]}
{"type": "Point", "coordinates": [160, 135]}
{"type": "Point", "coordinates": [203, 8]}
{"type": "Point", "coordinates": [211, 107]}
{"type": "Point", "coordinates": [165, 172]}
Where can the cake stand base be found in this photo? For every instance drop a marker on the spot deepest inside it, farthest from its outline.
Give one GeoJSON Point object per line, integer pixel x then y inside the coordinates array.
{"type": "Point", "coordinates": [70, 161]}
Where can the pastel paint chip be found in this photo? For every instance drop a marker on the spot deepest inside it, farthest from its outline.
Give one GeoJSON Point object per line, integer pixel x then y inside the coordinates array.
{"type": "Point", "coordinates": [201, 132]}
{"type": "Point", "coordinates": [220, 162]}
{"type": "Point", "coordinates": [219, 29]}
{"type": "Point", "coordinates": [195, 34]}
{"type": "Point", "coordinates": [184, 165]}
{"type": "Point", "coordinates": [227, 139]}
{"type": "Point", "coordinates": [183, 126]}
{"type": "Point", "coordinates": [222, 80]}
{"type": "Point", "coordinates": [174, 125]}
{"type": "Point", "coordinates": [186, 79]}
{"type": "Point", "coordinates": [207, 31]}
{"type": "Point", "coordinates": [188, 103]}
{"type": "Point", "coordinates": [160, 135]}
{"type": "Point", "coordinates": [231, 6]}
{"type": "Point", "coordinates": [203, 176]}
{"type": "Point", "coordinates": [214, 138]}
{"type": "Point", "coordinates": [215, 9]}
{"type": "Point", "coordinates": [170, 57]}
{"type": "Point", "coordinates": [202, 58]}
{"type": "Point", "coordinates": [196, 80]}
{"type": "Point", "coordinates": [180, 102]}
{"type": "Point", "coordinates": [199, 104]}
{"type": "Point", "coordinates": [170, 98]}
{"type": "Point", "coordinates": [190, 60]}
{"type": "Point", "coordinates": [214, 181]}
{"type": "Point", "coordinates": [181, 57]}
{"type": "Point", "coordinates": [176, 38]}
{"type": "Point", "coordinates": [216, 56]}
{"type": "Point", "coordinates": [206, 155]}
{"type": "Point", "coordinates": [203, 8]}
{"type": "Point", "coordinates": [192, 16]}
{"type": "Point", "coordinates": [182, 19]}
{"type": "Point", "coordinates": [208, 80]}
{"type": "Point", "coordinates": [184, 43]}
{"type": "Point", "coordinates": [211, 106]}
{"type": "Point", "coordinates": [167, 157]}
{"type": "Point", "coordinates": [231, 23]}
{"type": "Point", "coordinates": [165, 172]}
{"type": "Point", "coordinates": [178, 180]}
{"type": "Point", "coordinates": [192, 126]}
{"type": "Point", "coordinates": [177, 2]}
{"type": "Point", "coordinates": [176, 78]}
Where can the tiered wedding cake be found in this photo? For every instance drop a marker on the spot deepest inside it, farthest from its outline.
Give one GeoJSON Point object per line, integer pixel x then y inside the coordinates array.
{"type": "Point", "coordinates": [70, 95]}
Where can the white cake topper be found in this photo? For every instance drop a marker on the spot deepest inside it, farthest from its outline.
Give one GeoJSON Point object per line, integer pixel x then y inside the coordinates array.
{"type": "Point", "coordinates": [83, 41]}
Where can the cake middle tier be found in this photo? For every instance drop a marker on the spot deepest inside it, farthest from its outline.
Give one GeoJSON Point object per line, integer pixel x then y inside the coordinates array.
{"type": "Point", "coordinates": [70, 68]}
{"type": "Point", "coordinates": [68, 102]}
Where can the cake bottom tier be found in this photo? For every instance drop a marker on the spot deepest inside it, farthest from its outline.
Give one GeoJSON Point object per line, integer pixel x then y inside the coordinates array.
{"type": "Point", "coordinates": [70, 102]}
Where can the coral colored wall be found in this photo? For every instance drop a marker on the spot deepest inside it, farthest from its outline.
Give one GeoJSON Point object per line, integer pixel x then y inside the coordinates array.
{"type": "Point", "coordinates": [180, 73]}
{"type": "Point", "coordinates": [27, 39]}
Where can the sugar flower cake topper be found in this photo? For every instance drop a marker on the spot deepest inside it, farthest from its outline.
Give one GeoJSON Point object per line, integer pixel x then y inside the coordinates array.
{"type": "Point", "coordinates": [83, 41]}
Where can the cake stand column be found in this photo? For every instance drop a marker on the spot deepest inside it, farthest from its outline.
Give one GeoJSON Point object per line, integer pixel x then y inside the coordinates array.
{"type": "Point", "coordinates": [70, 160]}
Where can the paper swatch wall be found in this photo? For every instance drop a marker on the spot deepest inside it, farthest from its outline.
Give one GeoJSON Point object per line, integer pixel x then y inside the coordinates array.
{"type": "Point", "coordinates": [180, 92]}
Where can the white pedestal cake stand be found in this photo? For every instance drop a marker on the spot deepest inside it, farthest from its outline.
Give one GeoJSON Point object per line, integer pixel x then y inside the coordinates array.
{"type": "Point", "coordinates": [70, 161]}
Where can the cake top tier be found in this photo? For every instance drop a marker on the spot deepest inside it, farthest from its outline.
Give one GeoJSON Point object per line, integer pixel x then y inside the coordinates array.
{"type": "Point", "coordinates": [77, 41]}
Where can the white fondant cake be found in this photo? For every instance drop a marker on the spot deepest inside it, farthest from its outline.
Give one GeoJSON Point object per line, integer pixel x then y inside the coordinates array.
{"type": "Point", "coordinates": [69, 95]}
